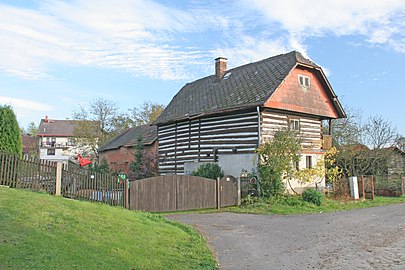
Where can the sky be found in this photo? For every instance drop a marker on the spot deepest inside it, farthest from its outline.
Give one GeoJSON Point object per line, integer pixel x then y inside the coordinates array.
{"type": "Point", "coordinates": [56, 56]}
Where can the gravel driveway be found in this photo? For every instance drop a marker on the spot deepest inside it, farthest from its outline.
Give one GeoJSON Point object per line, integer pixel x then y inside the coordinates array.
{"type": "Point", "coordinates": [372, 238]}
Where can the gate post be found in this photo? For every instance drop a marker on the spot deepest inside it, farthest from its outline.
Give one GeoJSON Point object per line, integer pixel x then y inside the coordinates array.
{"type": "Point", "coordinates": [403, 185]}
{"type": "Point", "coordinates": [239, 195]}
{"type": "Point", "coordinates": [218, 193]}
{"type": "Point", "coordinates": [58, 184]}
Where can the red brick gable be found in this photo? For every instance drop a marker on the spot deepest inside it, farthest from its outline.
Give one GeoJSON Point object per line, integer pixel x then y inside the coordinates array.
{"type": "Point", "coordinates": [291, 96]}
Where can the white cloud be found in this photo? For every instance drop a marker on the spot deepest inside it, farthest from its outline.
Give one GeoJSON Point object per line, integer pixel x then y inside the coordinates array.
{"type": "Point", "coordinates": [247, 49]}
{"type": "Point", "coordinates": [26, 109]}
{"type": "Point", "coordinates": [134, 36]}
{"type": "Point", "coordinates": [379, 21]}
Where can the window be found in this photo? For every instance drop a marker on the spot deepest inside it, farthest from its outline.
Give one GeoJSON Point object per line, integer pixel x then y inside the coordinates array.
{"type": "Point", "coordinates": [53, 141]}
{"type": "Point", "coordinates": [71, 142]}
{"type": "Point", "coordinates": [297, 165]}
{"type": "Point", "coordinates": [304, 80]}
{"type": "Point", "coordinates": [309, 162]}
{"type": "Point", "coordinates": [50, 152]}
{"type": "Point", "coordinates": [295, 124]}
{"type": "Point", "coordinates": [48, 141]}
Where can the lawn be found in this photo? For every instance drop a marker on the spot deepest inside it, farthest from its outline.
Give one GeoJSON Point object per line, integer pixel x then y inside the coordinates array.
{"type": "Point", "coordinates": [295, 205]}
{"type": "Point", "coordinates": [40, 231]}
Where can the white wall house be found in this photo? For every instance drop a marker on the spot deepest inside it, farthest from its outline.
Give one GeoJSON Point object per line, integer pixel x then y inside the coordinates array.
{"type": "Point", "coordinates": [57, 141]}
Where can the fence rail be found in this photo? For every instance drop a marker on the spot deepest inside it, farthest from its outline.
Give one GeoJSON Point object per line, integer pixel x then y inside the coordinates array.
{"type": "Point", "coordinates": [81, 183]}
{"type": "Point", "coordinates": [69, 180]}
{"type": "Point", "coordinates": [27, 173]}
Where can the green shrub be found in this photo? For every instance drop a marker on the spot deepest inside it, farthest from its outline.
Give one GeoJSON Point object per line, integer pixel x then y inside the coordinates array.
{"type": "Point", "coordinates": [209, 170]}
{"type": "Point", "coordinates": [312, 196]}
{"type": "Point", "coordinates": [10, 134]}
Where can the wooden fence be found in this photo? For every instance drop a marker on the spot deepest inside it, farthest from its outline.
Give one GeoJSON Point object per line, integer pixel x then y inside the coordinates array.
{"type": "Point", "coordinates": [81, 183]}
{"type": "Point", "coordinates": [27, 173]}
{"type": "Point", "coordinates": [381, 185]}
{"type": "Point", "coordinates": [180, 192]}
{"type": "Point", "coordinates": [69, 180]}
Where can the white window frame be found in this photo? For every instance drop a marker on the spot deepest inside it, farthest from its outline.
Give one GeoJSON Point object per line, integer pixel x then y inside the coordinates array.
{"type": "Point", "coordinates": [308, 162]}
{"type": "Point", "coordinates": [293, 126]}
{"type": "Point", "coordinates": [304, 81]}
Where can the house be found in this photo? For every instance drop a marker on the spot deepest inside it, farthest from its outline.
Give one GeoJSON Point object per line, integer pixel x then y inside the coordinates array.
{"type": "Point", "coordinates": [119, 152]}
{"type": "Point", "coordinates": [224, 117]}
{"type": "Point", "coordinates": [57, 140]}
{"type": "Point", "coordinates": [396, 161]}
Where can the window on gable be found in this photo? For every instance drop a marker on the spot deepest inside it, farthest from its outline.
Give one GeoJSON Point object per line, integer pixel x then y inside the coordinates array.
{"type": "Point", "coordinates": [295, 124]}
{"type": "Point", "coordinates": [304, 80]}
{"type": "Point", "coordinates": [308, 162]}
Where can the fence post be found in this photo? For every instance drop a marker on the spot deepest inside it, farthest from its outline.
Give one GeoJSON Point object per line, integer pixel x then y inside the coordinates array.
{"type": "Point", "coordinates": [126, 194]}
{"type": "Point", "coordinates": [58, 183]}
{"type": "Point", "coordinates": [372, 187]}
{"type": "Point", "coordinates": [218, 193]}
{"type": "Point", "coordinates": [403, 185]}
{"type": "Point", "coordinates": [239, 194]}
{"type": "Point", "coordinates": [363, 187]}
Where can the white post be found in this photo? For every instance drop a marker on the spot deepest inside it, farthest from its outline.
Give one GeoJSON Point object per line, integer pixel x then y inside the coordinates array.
{"type": "Point", "coordinates": [354, 189]}
{"type": "Point", "coordinates": [58, 184]}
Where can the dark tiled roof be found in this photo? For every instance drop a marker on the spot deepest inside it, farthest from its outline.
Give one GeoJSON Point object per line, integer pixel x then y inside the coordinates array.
{"type": "Point", "coordinates": [56, 128]}
{"type": "Point", "coordinates": [244, 86]}
{"type": "Point", "coordinates": [130, 136]}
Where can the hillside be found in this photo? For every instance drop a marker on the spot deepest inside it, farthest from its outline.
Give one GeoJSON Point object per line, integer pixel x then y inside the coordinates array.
{"type": "Point", "coordinates": [40, 231]}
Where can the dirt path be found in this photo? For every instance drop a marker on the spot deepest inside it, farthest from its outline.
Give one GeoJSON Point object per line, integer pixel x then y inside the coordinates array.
{"type": "Point", "coordinates": [372, 238]}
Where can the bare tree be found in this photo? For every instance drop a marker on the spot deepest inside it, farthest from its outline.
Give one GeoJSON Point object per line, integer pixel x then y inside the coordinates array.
{"type": "Point", "coordinates": [379, 133]}
{"type": "Point", "coordinates": [95, 125]}
{"type": "Point", "coordinates": [347, 131]}
{"type": "Point", "coordinates": [146, 113]}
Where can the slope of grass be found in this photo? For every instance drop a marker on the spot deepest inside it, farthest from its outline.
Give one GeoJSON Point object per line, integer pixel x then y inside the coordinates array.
{"type": "Point", "coordinates": [40, 231]}
{"type": "Point", "coordinates": [295, 205]}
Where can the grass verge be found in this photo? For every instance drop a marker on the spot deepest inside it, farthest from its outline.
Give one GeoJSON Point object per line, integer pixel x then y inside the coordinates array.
{"type": "Point", "coordinates": [40, 231]}
{"type": "Point", "coordinates": [295, 205]}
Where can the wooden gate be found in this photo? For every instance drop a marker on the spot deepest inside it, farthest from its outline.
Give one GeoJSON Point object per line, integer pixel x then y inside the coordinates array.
{"type": "Point", "coordinates": [181, 192]}
{"type": "Point", "coordinates": [229, 191]}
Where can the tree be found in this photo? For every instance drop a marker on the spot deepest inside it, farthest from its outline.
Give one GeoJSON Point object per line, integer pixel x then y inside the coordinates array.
{"type": "Point", "coordinates": [32, 129]}
{"type": "Point", "coordinates": [146, 113]}
{"type": "Point", "coordinates": [10, 135]}
{"type": "Point", "coordinates": [142, 166]}
{"type": "Point", "coordinates": [346, 131]}
{"type": "Point", "coordinates": [369, 152]}
{"type": "Point", "coordinates": [379, 133]}
{"type": "Point", "coordinates": [209, 170]}
{"type": "Point", "coordinates": [276, 159]}
{"type": "Point", "coordinates": [95, 126]}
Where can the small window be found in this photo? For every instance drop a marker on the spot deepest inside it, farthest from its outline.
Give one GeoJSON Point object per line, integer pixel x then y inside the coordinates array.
{"type": "Point", "coordinates": [71, 142]}
{"type": "Point", "coordinates": [309, 162]}
{"type": "Point", "coordinates": [295, 124]}
{"type": "Point", "coordinates": [50, 152]}
{"type": "Point", "coordinates": [304, 80]}
{"type": "Point", "coordinates": [297, 165]}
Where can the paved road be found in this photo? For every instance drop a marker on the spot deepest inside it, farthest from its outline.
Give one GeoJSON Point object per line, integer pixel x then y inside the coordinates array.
{"type": "Point", "coordinates": [372, 238]}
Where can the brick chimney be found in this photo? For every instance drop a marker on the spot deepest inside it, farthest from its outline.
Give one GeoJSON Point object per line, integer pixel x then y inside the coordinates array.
{"type": "Point", "coordinates": [220, 67]}
{"type": "Point", "coordinates": [46, 119]}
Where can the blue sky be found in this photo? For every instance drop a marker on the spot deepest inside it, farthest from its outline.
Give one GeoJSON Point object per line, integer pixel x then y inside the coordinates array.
{"type": "Point", "coordinates": [57, 55]}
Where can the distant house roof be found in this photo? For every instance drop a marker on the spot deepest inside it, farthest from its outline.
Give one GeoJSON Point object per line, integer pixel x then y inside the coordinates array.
{"type": "Point", "coordinates": [28, 143]}
{"type": "Point", "coordinates": [57, 128]}
{"type": "Point", "coordinates": [129, 137]}
{"type": "Point", "coordinates": [241, 87]}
